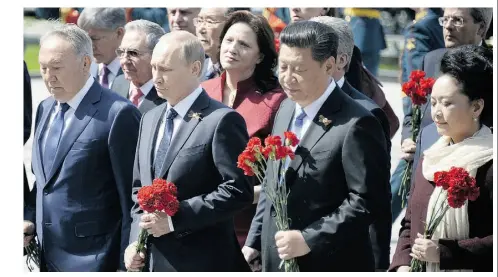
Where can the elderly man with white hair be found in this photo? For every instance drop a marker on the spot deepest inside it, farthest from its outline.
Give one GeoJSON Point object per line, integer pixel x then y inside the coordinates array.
{"type": "Point", "coordinates": [380, 230]}
{"type": "Point", "coordinates": [105, 28]}
{"type": "Point", "coordinates": [192, 141]}
{"type": "Point", "coordinates": [135, 53]}
{"type": "Point", "coordinates": [83, 150]}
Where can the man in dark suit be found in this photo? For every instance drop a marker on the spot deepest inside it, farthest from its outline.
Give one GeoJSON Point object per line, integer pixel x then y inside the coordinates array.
{"type": "Point", "coordinates": [380, 230]}
{"type": "Point", "coordinates": [461, 26]}
{"type": "Point", "coordinates": [135, 53]}
{"type": "Point", "coordinates": [83, 150]}
{"type": "Point", "coordinates": [192, 141]}
{"type": "Point", "coordinates": [105, 28]}
{"type": "Point", "coordinates": [28, 114]}
{"type": "Point", "coordinates": [340, 161]}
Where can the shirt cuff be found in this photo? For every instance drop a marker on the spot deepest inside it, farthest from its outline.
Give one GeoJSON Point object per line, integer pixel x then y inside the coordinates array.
{"type": "Point", "coordinates": [170, 224]}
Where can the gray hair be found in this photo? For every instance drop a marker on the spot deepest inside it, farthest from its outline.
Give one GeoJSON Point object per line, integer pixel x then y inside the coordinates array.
{"type": "Point", "coordinates": [102, 18]}
{"type": "Point", "coordinates": [482, 15]}
{"type": "Point", "coordinates": [344, 33]}
{"type": "Point", "coordinates": [77, 37]}
{"type": "Point", "coordinates": [191, 50]}
{"type": "Point", "coordinates": [152, 31]}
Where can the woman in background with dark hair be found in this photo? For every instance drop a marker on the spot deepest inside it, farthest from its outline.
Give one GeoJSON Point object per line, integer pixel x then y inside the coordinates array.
{"type": "Point", "coordinates": [248, 84]}
{"type": "Point", "coordinates": [462, 109]}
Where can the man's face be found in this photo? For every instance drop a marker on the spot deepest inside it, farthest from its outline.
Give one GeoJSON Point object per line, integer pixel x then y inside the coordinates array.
{"type": "Point", "coordinates": [135, 61]}
{"type": "Point", "coordinates": [171, 74]}
{"type": "Point", "coordinates": [182, 19]}
{"type": "Point", "coordinates": [298, 14]}
{"type": "Point", "coordinates": [302, 78]}
{"type": "Point", "coordinates": [63, 72]}
{"type": "Point", "coordinates": [210, 23]}
{"type": "Point", "coordinates": [468, 33]}
{"type": "Point", "coordinates": [105, 43]}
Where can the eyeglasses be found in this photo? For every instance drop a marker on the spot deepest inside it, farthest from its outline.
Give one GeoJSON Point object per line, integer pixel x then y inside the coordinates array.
{"type": "Point", "coordinates": [198, 21]}
{"type": "Point", "coordinates": [132, 53]}
{"type": "Point", "coordinates": [457, 21]}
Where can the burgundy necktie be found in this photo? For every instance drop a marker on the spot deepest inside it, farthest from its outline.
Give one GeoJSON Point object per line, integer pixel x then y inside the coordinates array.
{"type": "Point", "coordinates": [105, 76]}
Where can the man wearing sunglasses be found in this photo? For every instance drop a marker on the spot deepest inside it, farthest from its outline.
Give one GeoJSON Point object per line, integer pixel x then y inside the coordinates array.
{"type": "Point", "coordinates": [105, 28]}
{"type": "Point", "coordinates": [135, 53]}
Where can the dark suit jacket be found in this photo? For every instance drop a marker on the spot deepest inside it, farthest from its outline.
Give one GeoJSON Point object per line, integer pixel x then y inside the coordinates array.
{"type": "Point", "coordinates": [428, 136]}
{"type": "Point", "coordinates": [380, 230]}
{"type": "Point", "coordinates": [202, 163]}
{"type": "Point", "coordinates": [28, 114]}
{"type": "Point", "coordinates": [152, 100]}
{"type": "Point", "coordinates": [334, 191]}
{"type": "Point", "coordinates": [82, 208]}
{"type": "Point", "coordinates": [475, 253]}
{"type": "Point", "coordinates": [249, 102]}
{"type": "Point", "coordinates": [361, 79]}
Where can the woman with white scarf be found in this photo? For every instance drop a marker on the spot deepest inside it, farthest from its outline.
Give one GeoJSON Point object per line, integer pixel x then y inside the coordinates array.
{"type": "Point", "coordinates": [462, 109]}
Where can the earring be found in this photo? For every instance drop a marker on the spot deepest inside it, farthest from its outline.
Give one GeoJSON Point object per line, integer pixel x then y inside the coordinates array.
{"type": "Point", "coordinates": [475, 119]}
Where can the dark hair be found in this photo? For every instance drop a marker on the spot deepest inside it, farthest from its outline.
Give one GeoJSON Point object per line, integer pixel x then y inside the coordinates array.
{"type": "Point", "coordinates": [309, 34]}
{"type": "Point", "coordinates": [232, 10]}
{"type": "Point", "coordinates": [472, 67]}
{"type": "Point", "coordinates": [263, 75]}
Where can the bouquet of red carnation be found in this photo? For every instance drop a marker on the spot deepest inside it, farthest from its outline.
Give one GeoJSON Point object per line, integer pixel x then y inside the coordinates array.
{"type": "Point", "coordinates": [459, 187]}
{"type": "Point", "coordinates": [254, 160]}
{"type": "Point", "coordinates": [158, 197]}
{"type": "Point", "coordinates": [417, 88]}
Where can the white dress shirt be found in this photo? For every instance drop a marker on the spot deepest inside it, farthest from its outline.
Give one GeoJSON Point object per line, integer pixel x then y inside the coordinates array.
{"type": "Point", "coordinates": [69, 115]}
{"type": "Point", "coordinates": [311, 111]}
{"type": "Point", "coordinates": [113, 67]}
{"type": "Point", "coordinates": [340, 83]}
{"type": "Point", "coordinates": [145, 88]}
{"type": "Point", "coordinates": [182, 109]}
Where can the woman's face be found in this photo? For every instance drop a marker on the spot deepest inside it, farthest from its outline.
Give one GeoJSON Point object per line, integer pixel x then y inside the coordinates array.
{"type": "Point", "coordinates": [454, 115]}
{"type": "Point", "coordinates": [239, 49]}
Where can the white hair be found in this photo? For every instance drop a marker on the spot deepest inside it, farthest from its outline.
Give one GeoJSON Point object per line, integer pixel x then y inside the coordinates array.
{"type": "Point", "coordinates": [102, 18]}
{"type": "Point", "coordinates": [344, 33]}
{"type": "Point", "coordinates": [152, 31]}
{"type": "Point", "coordinates": [77, 37]}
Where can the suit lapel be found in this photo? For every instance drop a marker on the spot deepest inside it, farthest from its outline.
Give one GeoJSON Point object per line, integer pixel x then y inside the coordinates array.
{"type": "Point", "coordinates": [81, 118]}
{"type": "Point", "coordinates": [315, 132]}
{"type": "Point", "coordinates": [186, 128]}
{"type": "Point", "coordinates": [121, 86]}
{"type": "Point", "coordinates": [40, 132]}
{"type": "Point", "coordinates": [150, 101]}
{"type": "Point", "coordinates": [286, 113]}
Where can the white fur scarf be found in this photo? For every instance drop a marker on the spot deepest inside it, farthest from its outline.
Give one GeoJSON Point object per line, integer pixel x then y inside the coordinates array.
{"type": "Point", "coordinates": [469, 154]}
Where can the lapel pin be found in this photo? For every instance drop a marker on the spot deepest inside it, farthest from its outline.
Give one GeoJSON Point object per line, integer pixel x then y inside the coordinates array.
{"type": "Point", "coordinates": [325, 121]}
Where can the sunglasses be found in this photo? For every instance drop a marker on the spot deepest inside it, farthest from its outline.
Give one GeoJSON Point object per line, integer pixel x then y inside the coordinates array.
{"type": "Point", "coordinates": [132, 53]}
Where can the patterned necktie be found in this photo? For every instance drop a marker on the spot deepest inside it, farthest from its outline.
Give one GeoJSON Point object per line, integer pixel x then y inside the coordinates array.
{"type": "Point", "coordinates": [53, 138]}
{"type": "Point", "coordinates": [105, 76]}
{"type": "Point", "coordinates": [298, 123]}
{"type": "Point", "coordinates": [162, 150]}
{"type": "Point", "coordinates": [136, 93]}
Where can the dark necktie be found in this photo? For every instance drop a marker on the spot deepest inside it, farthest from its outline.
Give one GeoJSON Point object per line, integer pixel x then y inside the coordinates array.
{"type": "Point", "coordinates": [53, 138]}
{"type": "Point", "coordinates": [162, 150]}
{"type": "Point", "coordinates": [105, 76]}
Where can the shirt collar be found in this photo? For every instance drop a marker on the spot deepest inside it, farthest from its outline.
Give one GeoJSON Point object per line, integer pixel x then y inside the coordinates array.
{"type": "Point", "coordinates": [340, 83]}
{"type": "Point", "coordinates": [480, 43]}
{"type": "Point", "coordinates": [312, 109]}
{"type": "Point", "coordinates": [184, 105]}
{"type": "Point", "coordinates": [145, 88]}
{"type": "Point", "coordinates": [78, 97]}
{"type": "Point", "coordinates": [113, 66]}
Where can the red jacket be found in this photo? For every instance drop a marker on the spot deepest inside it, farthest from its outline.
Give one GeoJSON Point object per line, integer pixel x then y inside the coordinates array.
{"type": "Point", "coordinates": [259, 112]}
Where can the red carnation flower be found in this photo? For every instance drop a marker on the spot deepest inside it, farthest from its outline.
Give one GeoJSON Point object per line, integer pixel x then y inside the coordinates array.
{"type": "Point", "coordinates": [291, 139]}
{"type": "Point", "coordinates": [417, 75]}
